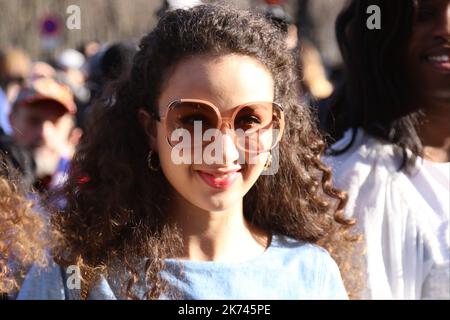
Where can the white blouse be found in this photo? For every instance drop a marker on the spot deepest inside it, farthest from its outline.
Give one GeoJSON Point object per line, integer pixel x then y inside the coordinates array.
{"type": "Point", "coordinates": [404, 218]}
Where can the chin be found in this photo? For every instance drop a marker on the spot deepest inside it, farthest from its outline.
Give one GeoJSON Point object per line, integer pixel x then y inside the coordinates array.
{"type": "Point", "coordinates": [219, 202]}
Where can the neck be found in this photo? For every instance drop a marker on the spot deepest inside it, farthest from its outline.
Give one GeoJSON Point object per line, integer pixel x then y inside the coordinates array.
{"type": "Point", "coordinates": [434, 133]}
{"type": "Point", "coordinates": [217, 236]}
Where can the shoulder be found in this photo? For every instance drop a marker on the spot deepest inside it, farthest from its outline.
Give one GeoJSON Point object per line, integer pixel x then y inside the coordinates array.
{"type": "Point", "coordinates": [311, 263]}
{"type": "Point", "coordinates": [43, 284]}
{"type": "Point", "coordinates": [365, 151]}
{"type": "Point", "coordinates": [377, 189]}
{"type": "Point", "coordinates": [368, 171]}
{"type": "Point", "coordinates": [288, 247]}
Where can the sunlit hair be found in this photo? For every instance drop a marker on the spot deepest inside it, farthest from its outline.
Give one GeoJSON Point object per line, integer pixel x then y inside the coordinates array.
{"type": "Point", "coordinates": [22, 235]}
{"type": "Point", "coordinates": [116, 206]}
{"type": "Point", "coordinates": [378, 95]}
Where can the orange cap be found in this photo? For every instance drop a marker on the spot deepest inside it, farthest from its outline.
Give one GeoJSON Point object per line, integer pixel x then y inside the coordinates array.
{"type": "Point", "coordinates": [44, 89]}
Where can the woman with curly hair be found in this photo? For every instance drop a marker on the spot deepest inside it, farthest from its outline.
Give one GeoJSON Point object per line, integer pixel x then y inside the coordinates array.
{"type": "Point", "coordinates": [394, 158]}
{"type": "Point", "coordinates": [22, 236]}
{"type": "Point", "coordinates": [147, 217]}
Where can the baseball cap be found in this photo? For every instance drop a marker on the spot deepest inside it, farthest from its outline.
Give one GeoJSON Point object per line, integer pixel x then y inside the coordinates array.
{"type": "Point", "coordinates": [47, 89]}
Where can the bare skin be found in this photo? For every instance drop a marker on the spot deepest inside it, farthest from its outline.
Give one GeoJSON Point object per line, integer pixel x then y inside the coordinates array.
{"type": "Point", "coordinates": [218, 236]}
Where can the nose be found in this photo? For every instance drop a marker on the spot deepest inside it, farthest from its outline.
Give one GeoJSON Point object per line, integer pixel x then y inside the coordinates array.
{"type": "Point", "coordinates": [230, 151]}
{"type": "Point", "coordinates": [226, 125]}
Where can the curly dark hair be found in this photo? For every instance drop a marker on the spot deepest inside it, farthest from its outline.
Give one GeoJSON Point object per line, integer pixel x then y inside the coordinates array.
{"type": "Point", "coordinates": [116, 206]}
{"type": "Point", "coordinates": [378, 94]}
{"type": "Point", "coordinates": [23, 236]}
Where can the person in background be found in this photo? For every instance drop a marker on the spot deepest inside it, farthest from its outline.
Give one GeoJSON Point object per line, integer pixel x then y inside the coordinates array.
{"type": "Point", "coordinates": [394, 156]}
{"type": "Point", "coordinates": [117, 61]}
{"type": "Point", "coordinates": [169, 5]}
{"type": "Point", "coordinates": [108, 65]}
{"type": "Point", "coordinates": [314, 77]}
{"type": "Point", "coordinates": [314, 85]}
{"type": "Point", "coordinates": [5, 109]}
{"type": "Point", "coordinates": [17, 158]}
{"type": "Point", "coordinates": [71, 71]}
{"type": "Point", "coordinates": [14, 70]}
{"type": "Point", "coordinates": [42, 120]}
{"type": "Point", "coordinates": [41, 69]}
{"type": "Point", "coordinates": [22, 236]}
{"type": "Point", "coordinates": [15, 67]}
{"type": "Point", "coordinates": [89, 48]}
{"type": "Point", "coordinates": [281, 19]}
{"type": "Point", "coordinates": [69, 65]}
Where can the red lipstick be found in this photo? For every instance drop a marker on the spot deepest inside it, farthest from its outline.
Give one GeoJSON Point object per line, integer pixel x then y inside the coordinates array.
{"type": "Point", "coordinates": [219, 179]}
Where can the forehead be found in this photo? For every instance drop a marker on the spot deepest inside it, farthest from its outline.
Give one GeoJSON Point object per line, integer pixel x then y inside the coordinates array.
{"type": "Point", "coordinates": [226, 81]}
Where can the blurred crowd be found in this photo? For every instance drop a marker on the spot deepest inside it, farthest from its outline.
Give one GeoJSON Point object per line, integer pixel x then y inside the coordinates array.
{"type": "Point", "coordinates": [44, 104]}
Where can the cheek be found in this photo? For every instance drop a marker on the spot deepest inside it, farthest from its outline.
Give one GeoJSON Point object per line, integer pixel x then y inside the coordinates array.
{"type": "Point", "coordinates": [163, 149]}
{"type": "Point", "coordinates": [254, 167]}
{"type": "Point", "coordinates": [159, 142]}
{"type": "Point", "coordinates": [175, 173]}
{"type": "Point", "coordinates": [61, 130]}
{"type": "Point", "coordinates": [414, 50]}
{"type": "Point", "coordinates": [164, 153]}
{"type": "Point", "coordinates": [52, 132]}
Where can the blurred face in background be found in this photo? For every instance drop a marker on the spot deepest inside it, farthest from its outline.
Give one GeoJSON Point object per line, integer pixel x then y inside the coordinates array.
{"type": "Point", "coordinates": [44, 128]}
{"type": "Point", "coordinates": [15, 66]}
{"type": "Point", "coordinates": [429, 50]}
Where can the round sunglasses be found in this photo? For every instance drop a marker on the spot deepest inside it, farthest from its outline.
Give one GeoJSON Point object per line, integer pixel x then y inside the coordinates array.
{"type": "Point", "coordinates": [256, 126]}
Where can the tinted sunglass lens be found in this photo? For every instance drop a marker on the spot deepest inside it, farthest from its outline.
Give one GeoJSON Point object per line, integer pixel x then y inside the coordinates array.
{"type": "Point", "coordinates": [191, 118]}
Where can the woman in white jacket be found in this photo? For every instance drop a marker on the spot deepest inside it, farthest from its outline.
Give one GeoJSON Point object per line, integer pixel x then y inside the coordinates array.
{"type": "Point", "coordinates": [394, 156]}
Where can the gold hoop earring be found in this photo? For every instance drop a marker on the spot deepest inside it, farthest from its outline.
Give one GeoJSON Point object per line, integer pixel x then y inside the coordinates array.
{"type": "Point", "coordinates": [268, 162]}
{"type": "Point", "coordinates": [153, 164]}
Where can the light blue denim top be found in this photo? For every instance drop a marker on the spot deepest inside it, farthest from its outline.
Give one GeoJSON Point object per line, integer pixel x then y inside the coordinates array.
{"type": "Point", "coordinates": [288, 269]}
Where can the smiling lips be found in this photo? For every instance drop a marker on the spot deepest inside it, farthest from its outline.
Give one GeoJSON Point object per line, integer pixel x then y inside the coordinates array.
{"type": "Point", "coordinates": [440, 60]}
{"type": "Point", "coordinates": [219, 179]}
